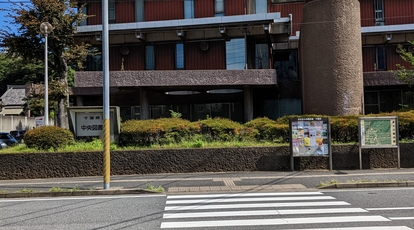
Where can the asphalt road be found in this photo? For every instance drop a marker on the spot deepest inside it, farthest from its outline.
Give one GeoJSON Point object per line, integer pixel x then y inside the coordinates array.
{"type": "Point", "coordinates": [362, 209]}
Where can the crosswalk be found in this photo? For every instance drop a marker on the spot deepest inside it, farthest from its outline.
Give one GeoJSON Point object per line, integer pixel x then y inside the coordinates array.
{"type": "Point", "coordinates": [282, 210]}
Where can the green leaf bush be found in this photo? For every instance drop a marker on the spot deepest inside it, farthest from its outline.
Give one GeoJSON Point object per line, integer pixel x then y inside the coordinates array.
{"type": "Point", "coordinates": [344, 129]}
{"type": "Point", "coordinates": [223, 129]}
{"type": "Point", "coordinates": [159, 131]}
{"type": "Point", "coordinates": [47, 137]}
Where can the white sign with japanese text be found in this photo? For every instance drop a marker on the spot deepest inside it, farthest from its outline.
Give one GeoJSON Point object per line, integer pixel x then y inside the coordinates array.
{"type": "Point", "coordinates": [89, 124]}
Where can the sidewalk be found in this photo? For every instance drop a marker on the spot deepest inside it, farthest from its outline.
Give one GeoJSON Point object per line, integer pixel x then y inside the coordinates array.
{"type": "Point", "coordinates": [208, 182]}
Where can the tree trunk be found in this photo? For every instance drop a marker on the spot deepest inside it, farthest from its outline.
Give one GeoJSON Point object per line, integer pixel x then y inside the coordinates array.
{"type": "Point", "coordinates": [62, 114]}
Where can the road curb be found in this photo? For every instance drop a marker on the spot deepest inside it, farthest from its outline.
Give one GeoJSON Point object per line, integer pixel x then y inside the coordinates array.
{"type": "Point", "coordinates": [77, 193]}
{"type": "Point", "coordinates": [369, 185]}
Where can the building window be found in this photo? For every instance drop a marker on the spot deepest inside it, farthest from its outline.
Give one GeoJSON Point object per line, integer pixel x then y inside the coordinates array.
{"type": "Point", "coordinates": [260, 6]}
{"type": "Point", "coordinates": [149, 58]}
{"type": "Point", "coordinates": [285, 63]}
{"type": "Point", "coordinates": [179, 56]}
{"type": "Point", "coordinates": [94, 59]}
{"type": "Point", "coordinates": [219, 7]}
{"type": "Point", "coordinates": [188, 8]}
{"type": "Point", "coordinates": [84, 11]}
{"type": "Point", "coordinates": [139, 11]}
{"type": "Point", "coordinates": [235, 54]}
{"type": "Point", "coordinates": [262, 56]}
{"type": "Point", "coordinates": [381, 62]}
{"type": "Point", "coordinates": [111, 11]}
{"type": "Point", "coordinates": [379, 12]}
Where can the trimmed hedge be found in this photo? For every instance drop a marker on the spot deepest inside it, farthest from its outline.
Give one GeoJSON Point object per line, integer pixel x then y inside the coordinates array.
{"type": "Point", "coordinates": [47, 137]}
{"type": "Point", "coordinates": [162, 131]}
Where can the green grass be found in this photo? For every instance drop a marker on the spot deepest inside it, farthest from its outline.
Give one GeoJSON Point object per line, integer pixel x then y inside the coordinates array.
{"type": "Point", "coordinates": [25, 190]}
{"type": "Point", "coordinates": [155, 189]}
{"type": "Point", "coordinates": [333, 181]}
{"type": "Point", "coordinates": [97, 145]}
{"type": "Point", "coordinates": [57, 189]}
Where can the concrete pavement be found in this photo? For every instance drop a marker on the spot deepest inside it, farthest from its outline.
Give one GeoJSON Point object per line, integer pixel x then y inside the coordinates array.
{"type": "Point", "coordinates": [208, 182]}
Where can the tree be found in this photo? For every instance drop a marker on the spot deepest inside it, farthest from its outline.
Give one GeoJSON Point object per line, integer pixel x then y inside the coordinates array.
{"type": "Point", "coordinates": [65, 17]}
{"type": "Point", "coordinates": [405, 74]}
{"type": "Point", "coordinates": [16, 71]}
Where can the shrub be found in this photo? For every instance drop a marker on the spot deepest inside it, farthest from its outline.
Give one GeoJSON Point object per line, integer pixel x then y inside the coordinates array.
{"type": "Point", "coordinates": [262, 126]}
{"type": "Point", "coordinates": [344, 129]}
{"type": "Point", "coordinates": [159, 131]}
{"type": "Point", "coordinates": [223, 129]}
{"type": "Point", "coordinates": [47, 137]}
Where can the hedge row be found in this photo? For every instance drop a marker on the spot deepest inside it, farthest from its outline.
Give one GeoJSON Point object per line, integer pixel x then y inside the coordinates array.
{"type": "Point", "coordinates": [174, 130]}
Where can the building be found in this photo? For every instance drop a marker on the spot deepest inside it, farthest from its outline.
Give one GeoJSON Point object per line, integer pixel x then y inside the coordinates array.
{"type": "Point", "coordinates": [229, 58]}
{"type": "Point", "coordinates": [11, 102]}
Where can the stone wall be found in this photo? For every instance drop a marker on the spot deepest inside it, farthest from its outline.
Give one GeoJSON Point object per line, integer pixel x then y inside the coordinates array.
{"type": "Point", "coordinates": [54, 165]}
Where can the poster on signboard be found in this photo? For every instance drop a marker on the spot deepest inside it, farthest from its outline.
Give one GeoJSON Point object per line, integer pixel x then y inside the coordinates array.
{"type": "Point", "coordinates": [310, 136]}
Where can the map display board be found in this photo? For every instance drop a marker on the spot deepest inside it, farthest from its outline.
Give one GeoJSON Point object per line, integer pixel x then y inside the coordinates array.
{"type": "Point", "coordinates": [310, 137]}
{"type": "Point", "coordinates": [378, 132]}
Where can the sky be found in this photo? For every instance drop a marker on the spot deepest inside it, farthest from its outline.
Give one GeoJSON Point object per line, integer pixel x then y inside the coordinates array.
{"type": "Point", "coordinates": [5, 4]}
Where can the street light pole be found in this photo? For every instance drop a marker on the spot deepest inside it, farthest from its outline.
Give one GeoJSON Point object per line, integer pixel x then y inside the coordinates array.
{"type": "Point", "coordinates": [46, 28]}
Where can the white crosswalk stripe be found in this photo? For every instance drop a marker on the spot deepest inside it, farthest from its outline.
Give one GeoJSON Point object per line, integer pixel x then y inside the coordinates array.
{"type": "Point", "coordinates": [265, 209]}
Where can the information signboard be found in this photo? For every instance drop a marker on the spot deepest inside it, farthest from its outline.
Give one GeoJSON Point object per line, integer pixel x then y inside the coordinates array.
{"type": "Point", "coordinates": [378, 132]}
{"type": "Point", "coordinates": [310, 137]}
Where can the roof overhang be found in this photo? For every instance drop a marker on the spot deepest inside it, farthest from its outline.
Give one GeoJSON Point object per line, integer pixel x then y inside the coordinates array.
{"type": "Point", "coordinates": [192, 29]}
{"type": "Point", "coordinates": [177, 78]}
{"type": "Point", "coordinates": [11, 111]}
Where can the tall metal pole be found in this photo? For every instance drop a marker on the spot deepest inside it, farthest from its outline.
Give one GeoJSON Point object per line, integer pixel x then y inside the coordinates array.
{"type": "Point", "coordinates": [45, 29]}
{"type": "Point", "coordinates": [46, 117]}
{"type": "Point", "coordinates": [105, 68]}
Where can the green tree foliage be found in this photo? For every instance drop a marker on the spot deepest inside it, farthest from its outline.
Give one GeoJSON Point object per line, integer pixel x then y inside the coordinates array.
{"type": "Point", "coordinates": [405, 74]}
{"type": "Point", "coordinates": [28, 43]}
{"type": "Point", "coordinates": [16, 71]}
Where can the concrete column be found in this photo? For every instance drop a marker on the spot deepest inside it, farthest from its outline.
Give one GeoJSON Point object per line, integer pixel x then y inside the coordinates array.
{"type": "Point", "coordinates": [144, 105]}
{"type": "Point", "coordinates": [331, 58]}
{"type": "Point", "coordinates": [248, 104]}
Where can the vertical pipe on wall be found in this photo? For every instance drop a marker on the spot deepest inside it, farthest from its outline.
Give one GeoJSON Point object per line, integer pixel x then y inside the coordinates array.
{"type": "Point", "coordinates": [245, 48]}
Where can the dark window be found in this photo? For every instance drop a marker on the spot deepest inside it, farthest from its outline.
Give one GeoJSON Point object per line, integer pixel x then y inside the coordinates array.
{"type": "Point", "coordinates": [149, 58]}
{"type": "Point", "coordinates": [139, 11]}
{"type": "Point", "coordinates": [111, 11]}
{"type": "Point", "coordinates": [179, 56]}
{"type": "Point", "coordinates": [219, 7]}
{"type": "Point", "coordinates": [371, 102]}
{"type": "Point", "coordinates": [94, 59]}
{"type": "Point", "coordinates": [380, 58]}
{"type": "Point", "coordinates": [285, 63]}
{"type": "Point", "coordinates": [389, 101]}
{"type": "Point", "coordinates": [262, 56]}
{"type": "Point", "coordinates": [188, 8]}
{"type": "Point", "coordinates": [379, 12]}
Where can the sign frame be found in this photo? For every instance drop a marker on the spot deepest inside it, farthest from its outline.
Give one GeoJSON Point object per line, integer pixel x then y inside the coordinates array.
{"type": "Point", "coordinates": [393, 134]}
{"type": "Point", "coordinates": [318, 130]}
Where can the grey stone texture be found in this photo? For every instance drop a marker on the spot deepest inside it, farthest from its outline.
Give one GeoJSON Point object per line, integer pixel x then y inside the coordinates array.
{"type": "Point", "coordinates": [179, 78]}
{"type": "Point", "coordinates": [55, 165]}
{"type": "Point", "coordinates": [331, 58]}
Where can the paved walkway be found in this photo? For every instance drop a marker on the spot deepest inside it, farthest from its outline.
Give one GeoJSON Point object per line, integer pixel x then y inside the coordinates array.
{"type": "Point", "coordinates": [209, 182]}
